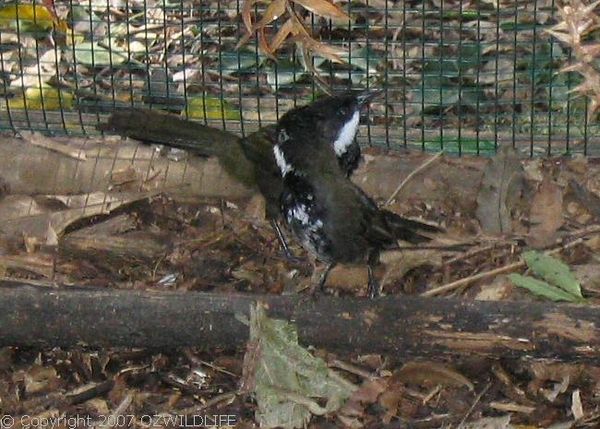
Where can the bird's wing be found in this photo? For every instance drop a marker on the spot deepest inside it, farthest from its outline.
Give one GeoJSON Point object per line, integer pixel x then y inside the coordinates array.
{"type": "Point", "coordinates": [385, 227]}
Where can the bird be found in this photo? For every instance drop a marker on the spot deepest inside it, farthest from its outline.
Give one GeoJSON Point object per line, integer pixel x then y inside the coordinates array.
{"type": "Point", "coordinates": [336, 118]}
{"type": "Point", "coordinates": [333, 219]}
{"type": "Point", "coordinates": [251, 159]}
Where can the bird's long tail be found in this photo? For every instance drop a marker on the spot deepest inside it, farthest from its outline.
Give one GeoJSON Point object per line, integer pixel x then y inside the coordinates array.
{"type": "Point", "coordinates": [153, 126]}
{"type": "Point", "coordinates": [409, 230]}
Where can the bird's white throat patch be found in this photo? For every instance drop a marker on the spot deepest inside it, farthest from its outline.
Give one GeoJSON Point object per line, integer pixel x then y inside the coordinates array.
{"type": "Point", "coordinates": [346, 135]}
{"type": "Point", "coordinates": [281, 162]}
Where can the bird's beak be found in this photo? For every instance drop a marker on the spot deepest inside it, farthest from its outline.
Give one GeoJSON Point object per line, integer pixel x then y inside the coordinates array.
{"type": "Point", "coordinates": [367, 96]}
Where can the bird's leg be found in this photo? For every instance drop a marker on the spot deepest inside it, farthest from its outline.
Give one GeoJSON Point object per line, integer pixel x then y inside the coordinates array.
{"type": "Point", "coordinates": [324, 275]}
{"type": "Point", "coordinates": [286, 249]}
{"type": "Point", "coordinates": [373, 287]}
{"type": "Point", "coordinates": [319, 277]}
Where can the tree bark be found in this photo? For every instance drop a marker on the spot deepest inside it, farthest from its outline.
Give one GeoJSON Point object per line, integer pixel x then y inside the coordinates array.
{"type": "Point", "coordinates": [46, 316]}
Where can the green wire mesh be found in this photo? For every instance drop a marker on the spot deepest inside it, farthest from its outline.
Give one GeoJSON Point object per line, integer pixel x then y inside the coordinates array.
{"type": "Point", "coordinates": [459, 76]}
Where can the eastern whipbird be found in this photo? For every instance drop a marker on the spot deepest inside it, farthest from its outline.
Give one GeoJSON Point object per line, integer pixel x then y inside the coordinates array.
{"type": "Point", "coordinates": [333, 219]}
{"type": "Point", "coordinates": [251, 160]}
{"type": "Point", "coordinates": [301, 166]}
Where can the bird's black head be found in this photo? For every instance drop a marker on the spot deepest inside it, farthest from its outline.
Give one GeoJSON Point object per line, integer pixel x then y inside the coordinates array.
{"type": "Point", "coordinates": [330, 121]}
{"type": "Point", "coordinates": [332, 118]}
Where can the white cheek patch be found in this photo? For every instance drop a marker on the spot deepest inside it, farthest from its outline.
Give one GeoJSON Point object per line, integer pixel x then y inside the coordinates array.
{"type": "Point", "coordinates": [346, 135]}
{"type": "Point", "coordinates": [281, 162]}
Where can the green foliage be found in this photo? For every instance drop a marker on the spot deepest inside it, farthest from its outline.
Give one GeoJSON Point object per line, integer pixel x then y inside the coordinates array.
{"type": "Point", "coordinates": [92, 54]}
{"type": "Point", "coordinates": [465, 145]}
{"type": "Point", "coordinates": [210, 108]}
{"type": "Point", "coordinates": [557, 281]}
{"type": "Point", "coordinates": [288, 380]}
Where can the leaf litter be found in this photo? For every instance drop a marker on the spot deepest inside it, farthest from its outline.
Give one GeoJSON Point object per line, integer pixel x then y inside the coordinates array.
{"type": "Point", "coordinates": [226, 246]}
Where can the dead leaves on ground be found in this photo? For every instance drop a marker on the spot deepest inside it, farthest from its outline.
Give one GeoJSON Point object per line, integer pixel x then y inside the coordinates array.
{"type": "Point", "coordinates": [292, 28]}
{"type": "Point", "coordinates": [576, 28]}
{"type": "Point", "coordinates": [214, 245]}
{"type": "Point", "coordinates": [501, 189]}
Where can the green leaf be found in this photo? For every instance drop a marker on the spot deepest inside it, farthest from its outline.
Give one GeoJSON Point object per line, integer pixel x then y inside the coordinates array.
{"type": "Point", "coordinates": [210, 108]}
{"type": "Point", "coordinates": [366, 59]}
{"type": "Point", "coordinates": [283, 73]}
{"type": "Point", "coordinates": [289, 383]}
{"type": "Point", "coordinates": [543, 289]}
{"type": "Point", "coordinates": [42, 98]}
{"type": "Point", "coordinates": [90, 53]}
{"type": "Point", "coordinates": [243, 61]}
{"type": "Point", "coordinates": [471, 146]}
{"type": "Point", "coordinates": [553, 271]}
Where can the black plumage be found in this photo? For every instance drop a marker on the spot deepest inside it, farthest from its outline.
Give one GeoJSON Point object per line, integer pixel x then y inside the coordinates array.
{"type": "Point", "coordinates": [336, 118]}
{"type": "Point", "coordinates": [333, 219]}
{"type": "Point", "coordinates": [250, 160]}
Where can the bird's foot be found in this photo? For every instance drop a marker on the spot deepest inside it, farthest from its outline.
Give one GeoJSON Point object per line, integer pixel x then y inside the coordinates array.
{"type": "Point", "coordinates": [316, 284]}
{"type": "Point", "coordinates": [373, 288]}
{"type": "Point", "coordinates": [293, 259]}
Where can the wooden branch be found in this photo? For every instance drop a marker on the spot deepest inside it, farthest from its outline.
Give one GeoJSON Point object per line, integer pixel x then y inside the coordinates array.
{"type": "Point", "coordinates": [44, 316]}
{"type": "Point", "coordinates": [127, 250]}
{"type": "Point", "coordinates": [41, 171]}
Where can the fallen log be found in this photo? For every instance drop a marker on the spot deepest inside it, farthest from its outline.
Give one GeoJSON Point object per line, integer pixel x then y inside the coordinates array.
{"type": "Point", "coordinates": [48, 316]}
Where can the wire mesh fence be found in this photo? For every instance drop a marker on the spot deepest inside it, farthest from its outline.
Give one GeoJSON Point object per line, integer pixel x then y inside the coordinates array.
{"type": "Point", "coordinates": [461, 76]}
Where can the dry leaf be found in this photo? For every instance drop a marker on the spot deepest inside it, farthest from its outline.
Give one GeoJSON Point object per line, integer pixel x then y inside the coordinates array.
{"type": "Point", "coordinates": [247, 14]}
{"type": "Point", "coordinates": [498, 290]}
{"type": "Point", "coordinates": [323, 8]}
{"type": "Point", "coordinates": [369, 391]}
{"type": "Point", "coordinates": [38, 139]}
{"type": "Point", "coordinates": [512, 407]}
{"type": "Point", "coordinates": [348, 278]}
{"type": "Point", "coordinates": [502, 422]}
{"type": "Point", "coordinates": [41, 379]}
{"type": "Point", "coordinates": [286, 29]}
{"type": "Point", "coordinates": [431, 374]}
{"type": "Point", "coordinates": [576, 406]}
{"type": "Point", "coordinates": [398, 263]}
{"type": "Point", "coordinates": [390, 400]}
{"type": "Point", "coordinates": [321, 49]}
{"type": "Point", "coordinates": [263, 44]}
{"type": "Point", "coordinates": [274, 11]}
{"type": "Point", "coordinates": [298, 27]}
{"type": "Point", "coordinates": [46, 217]}
{"type": "Point", "coordinates": [546, 215]}
{"type": "Point", "coordinates": [502, 182]}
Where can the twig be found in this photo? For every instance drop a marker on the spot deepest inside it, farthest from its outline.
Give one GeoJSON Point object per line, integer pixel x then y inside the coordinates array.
{"type": "Point", "coordinates": [501, 270]}
{"type": "Point", "coordinates": [37, 139]}
{"type": "Point", "coordinates": [119, 411]}
{"type": "Point", "coordinates": [352, 369]}
{"type": "Point", "coordinates": [228, 397]}
{"type": "Point", "coordinates": [470, 410]}
{"type": "Point", "coordinates": [511, 407]}
{"type": "Point", "coordinates": [437, 389]}
{"type": "Point", "coordinates": [468, 280]}
{"type": "Point", "coordinates": [196, 361]}
{"type": "Point", "coordinates": [476, 252]}
{"type": "Point", "coordinates": [410, 176]}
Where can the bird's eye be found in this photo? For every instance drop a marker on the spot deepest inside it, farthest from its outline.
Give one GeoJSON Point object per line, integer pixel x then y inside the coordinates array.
{"type": "Point", "coordinates": [343, 111]}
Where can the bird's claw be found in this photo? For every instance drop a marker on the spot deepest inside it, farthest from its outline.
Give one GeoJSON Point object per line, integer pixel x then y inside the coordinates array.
{"type": "Point", "coordinates": [373, 287]}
